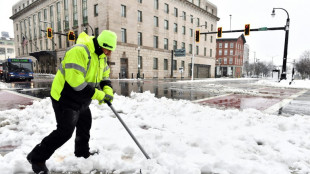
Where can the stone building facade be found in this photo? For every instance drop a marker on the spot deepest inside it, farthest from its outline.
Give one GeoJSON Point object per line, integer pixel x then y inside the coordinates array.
{"type": "Point", "coordinates": [7, 48]}
{"type": "Point", "coordinates": [229, 56]}
{"type": "Point", "coordinates": [147, 30]}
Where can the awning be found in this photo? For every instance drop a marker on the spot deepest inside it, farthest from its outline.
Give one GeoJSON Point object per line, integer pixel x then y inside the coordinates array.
{"type": "Point", "coordinates": [38, 54]}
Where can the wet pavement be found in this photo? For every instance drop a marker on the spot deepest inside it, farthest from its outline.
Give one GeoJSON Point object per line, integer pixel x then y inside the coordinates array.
{"type": "Point", "coordinates": [223, 94]}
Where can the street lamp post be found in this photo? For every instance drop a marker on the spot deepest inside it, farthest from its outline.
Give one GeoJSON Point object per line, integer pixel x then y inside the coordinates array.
{"type": "Point", "coordinates": [138, 76]}
{"type": "Point", "coordinates": [283, 75]}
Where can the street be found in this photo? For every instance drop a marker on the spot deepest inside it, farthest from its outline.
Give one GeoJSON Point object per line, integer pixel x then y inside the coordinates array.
{"type": "Point", "coordinates": [219, 93]}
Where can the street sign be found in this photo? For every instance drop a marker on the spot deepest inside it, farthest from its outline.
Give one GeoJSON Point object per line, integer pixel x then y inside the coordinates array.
{"type": "Point", "coordinates": [181, 69]}
{"type": "Point", "coordinates": [263, 29]}
{"type": "Point", "coordinates": [179, 52]}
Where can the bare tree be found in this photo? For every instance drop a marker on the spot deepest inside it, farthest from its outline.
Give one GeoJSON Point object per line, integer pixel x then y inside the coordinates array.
{"type": "Point", "coordinates": [303, 65]}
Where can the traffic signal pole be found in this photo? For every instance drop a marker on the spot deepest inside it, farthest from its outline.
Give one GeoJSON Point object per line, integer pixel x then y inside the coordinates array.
{"type": "Point", "coordinates": [256, 29]}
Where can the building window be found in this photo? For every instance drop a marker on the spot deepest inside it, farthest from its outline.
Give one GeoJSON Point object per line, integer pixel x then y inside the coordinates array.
{"type": "Point", "coordinates": [205, 51]}
{"type": "Point", "coordinates": [226, 45]}
{"type": "Point", "coordinates": [175, 12]}
{"type": "Point", "coordinates": [225, 60]}
{"type": "Point", "coordinates": [155, 42]}
{"type": "Point", "coordinates": [190, 48]}
{"type": "Point", "coordinates": [231, 45]}
{"type": "Point", "coordinates": [220, 45]}
{"type": "Point", "coordinates": [84, 10]}
{"type": "Point", "coordinates": [166, 24]}
{"type": "Point", "coordinates": [192, 19]}
{"type": "Point", "coordinates": [230, 60]}
{"type": "Point", "coordinates": [184, 15]}
{"type": "Point", "coordinates": [197, 50]}
{"type": "Point", "coordinates": [211, 39]}
{"type": "Point", "coordinates": [139, 16]}
{"type": "Point", "coordinates": [140, 1]}
{"type": "Point", "coordinates": [165, 64]}
{"type": "Point", "coordinates": [175, 27]}
{"type": "Point", "coordinates": [167, 8]}
{"type": "Point", "coordinates": [231, 52]}
{"type": "Point", "coordinates": [140, 63]}
{"type": "Point", "coordinates": [211, 27]}
{"type": "Point", "coordinates": [123, 11]}
{"type": "Point", "coordinates": [75, 15]}
{"type": "Point", "coordinates": [205, 37]}
{"type": "Point", "coordinates": [66, 15]}
{"type": "Point", "coordinates": [198, 22]}
{"type": "Point", "coordinates": [191, 32]}
{"type": "Point", "coordinates": [40, 26]}
{"type": "Point", "coordinates": [96, 10]}
{"type": "Point", "coordinates": [183, 45]}
{"type": "Point", "coordinates": [175, 65]}
{"type": "Point", "coordinates": [225, 52]}
{"type": "Point", "coordinates": [124, 35]}
{"type": "Point", "coordinates": [139, 38]}
{"type": "Point", "coordinates": [183, 30]}
{"type": "Point", "coordinates": [155, 21]}
{"type": "Point", "coordinates": [59, 41]}
{"type": "Point", "coordinates": [58, 9]}
{"type": "Point", "coordinates": [156, 4]}
{"type": "Point", "coordinates": [165, 43]}
{"type": "Point", "coordinates": [2, 51]}
{"type": "Point", "coordinates": [220, 52]}
{"type": "Point", "coordinates": [35, 26]}
{"type": "Point", "coordinates": [210, 52]}
{"type": "Point", "coordinates": [183, 64]}
{"type": "Point", "coordinates": [155, 63]}
{"type": "Point", "coordinates": [175, 44]}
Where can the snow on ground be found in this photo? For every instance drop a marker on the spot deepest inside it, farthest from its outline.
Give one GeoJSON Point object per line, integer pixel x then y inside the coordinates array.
{"type": "Point", "coordinates": [286, 83]}
{"type": "Point", "coordinates": [180, 137]}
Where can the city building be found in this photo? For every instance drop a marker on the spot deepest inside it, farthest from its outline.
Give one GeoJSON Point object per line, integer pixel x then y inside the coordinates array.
{"type": "Point", "coordinates": [147, 33]}
{"type": "Point", "coordinates": [229, 56]}
{"type": "Point", "coordinates": [7, 47]}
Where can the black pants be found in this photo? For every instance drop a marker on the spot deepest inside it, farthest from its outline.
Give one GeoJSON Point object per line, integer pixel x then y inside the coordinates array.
{"type": "Point", "coordinates": [67, 120]}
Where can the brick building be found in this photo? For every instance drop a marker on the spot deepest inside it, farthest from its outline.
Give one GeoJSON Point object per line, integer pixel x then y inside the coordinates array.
{"type": "Point", "coordinates": [147, 32]}
{"type": "Point", "coordinates": [229, 56]}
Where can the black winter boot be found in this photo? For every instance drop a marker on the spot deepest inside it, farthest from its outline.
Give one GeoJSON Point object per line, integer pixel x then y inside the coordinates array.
{"type": "Point", "coordinates": [37, 167]}
{"type": "Point", "coordinates": [86, 155]}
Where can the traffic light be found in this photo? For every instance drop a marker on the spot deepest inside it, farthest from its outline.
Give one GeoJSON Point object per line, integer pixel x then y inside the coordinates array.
{"type": "Point", "coordinates": [71, 36]}
{"type": "Point", "coordinates": [197, 36]}
{"type": "Point", "coordinates": [49, 32]}
{"type": "Point", "coordinates": [219, 32]}
{"type": "Point", "coordinates": [247, 29]}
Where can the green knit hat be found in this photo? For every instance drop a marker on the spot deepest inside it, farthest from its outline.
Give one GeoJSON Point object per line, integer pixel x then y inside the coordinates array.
{"type": "Point", "coordinates": [107, 39]}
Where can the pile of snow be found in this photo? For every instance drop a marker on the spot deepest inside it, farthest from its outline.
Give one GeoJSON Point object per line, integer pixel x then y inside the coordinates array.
{"type": "Point", "coordinates": [180, 137]}
{"type": "Point", "coordinates": [286, 83]}
{"type": "Point", "coordinates": [3, 86]}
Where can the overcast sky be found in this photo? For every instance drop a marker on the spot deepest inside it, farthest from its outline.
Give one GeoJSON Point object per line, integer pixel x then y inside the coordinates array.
{"type": "Point", "coordinates": [257, 13]}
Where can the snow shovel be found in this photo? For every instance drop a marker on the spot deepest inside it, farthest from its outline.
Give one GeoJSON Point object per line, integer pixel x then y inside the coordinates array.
{"type": "Point", "coordinates": [127, 129]}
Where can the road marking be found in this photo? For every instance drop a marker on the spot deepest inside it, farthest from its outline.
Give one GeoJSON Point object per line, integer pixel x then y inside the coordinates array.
{"type": "Point", "coordinates": [275, 108]}
{"type": "Point", "coordinates": [22, 95]}
{"type": "Point", "coordinates": [204, 99]}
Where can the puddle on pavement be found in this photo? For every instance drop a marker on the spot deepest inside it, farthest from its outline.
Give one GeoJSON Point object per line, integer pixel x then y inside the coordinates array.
{"type": "Point", "coordinates": [241, 102]}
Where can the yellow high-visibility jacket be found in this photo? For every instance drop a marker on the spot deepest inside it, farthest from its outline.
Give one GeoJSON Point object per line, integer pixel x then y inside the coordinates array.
{"type": "Point", "coordinates": [80, 72]}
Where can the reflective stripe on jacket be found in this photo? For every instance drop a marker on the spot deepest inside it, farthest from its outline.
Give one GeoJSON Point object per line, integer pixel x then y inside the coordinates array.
{"type": "Point", "coordinates": [81, 68]}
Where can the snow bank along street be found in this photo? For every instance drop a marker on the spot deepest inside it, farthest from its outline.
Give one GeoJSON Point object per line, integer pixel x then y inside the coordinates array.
{"type": "Point", "coordinates": [180, 137]}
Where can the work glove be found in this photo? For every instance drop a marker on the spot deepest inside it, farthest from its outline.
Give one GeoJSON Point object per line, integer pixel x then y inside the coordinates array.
{"type": "Point", "coordinates": [101, 96]}
{"type": "Point", "coordinates": [108, 93]}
